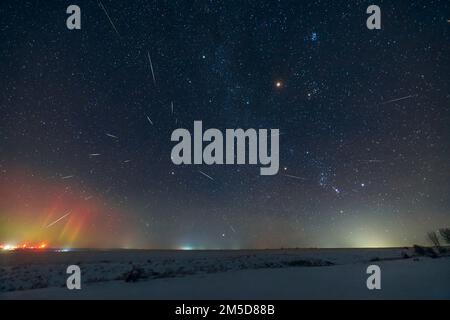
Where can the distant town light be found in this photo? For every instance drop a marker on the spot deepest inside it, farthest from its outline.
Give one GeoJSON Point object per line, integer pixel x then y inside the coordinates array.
{"type": "Point", "coordinates": [24, 246]}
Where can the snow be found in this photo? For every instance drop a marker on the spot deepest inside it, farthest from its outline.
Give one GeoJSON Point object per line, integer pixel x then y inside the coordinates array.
{"type": "Point", "coordinates": [249, 274]}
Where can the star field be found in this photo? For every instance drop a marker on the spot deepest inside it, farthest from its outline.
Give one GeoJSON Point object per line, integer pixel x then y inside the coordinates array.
{"type": "Point", "coordinates": [86, 119]}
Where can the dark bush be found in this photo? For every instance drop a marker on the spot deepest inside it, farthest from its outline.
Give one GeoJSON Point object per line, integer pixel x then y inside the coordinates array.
{"type": "Point", "coordinates": [405, 255]}
{"type": "Point", "coordinates": [308, 263]}
{"type": "Point", "coordinates": [134, 274]}
{"type": "Point", "coordinates": [424, 251]}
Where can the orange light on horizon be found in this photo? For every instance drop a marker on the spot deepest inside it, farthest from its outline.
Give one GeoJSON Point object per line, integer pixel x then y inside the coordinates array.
{"type": "Point", "coordinates": [10, 247]}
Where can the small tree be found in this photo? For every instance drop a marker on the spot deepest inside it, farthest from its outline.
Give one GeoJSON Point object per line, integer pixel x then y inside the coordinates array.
{"type": "Point", "coordinates": [434, 239]}
{"type": "Point", "coordinates": [445, 234]}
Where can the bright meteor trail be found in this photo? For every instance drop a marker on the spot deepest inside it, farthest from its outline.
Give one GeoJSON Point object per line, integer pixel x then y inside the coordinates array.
{"type": "Point", "coordinates": [57, 220]}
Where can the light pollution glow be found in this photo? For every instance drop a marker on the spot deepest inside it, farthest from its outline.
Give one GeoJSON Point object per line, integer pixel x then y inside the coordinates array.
{"type": "Point", "coordinates": [31, 206]}
{"type": "Point", "coordinates": [59, 213]}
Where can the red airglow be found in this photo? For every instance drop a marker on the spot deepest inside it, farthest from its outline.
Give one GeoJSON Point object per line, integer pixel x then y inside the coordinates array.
{"type": "Point", "coordinates": [38, 208]}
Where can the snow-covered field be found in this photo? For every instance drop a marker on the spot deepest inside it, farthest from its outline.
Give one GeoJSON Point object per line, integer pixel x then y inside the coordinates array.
{"type": "Point", "coordinates": [244, 274]}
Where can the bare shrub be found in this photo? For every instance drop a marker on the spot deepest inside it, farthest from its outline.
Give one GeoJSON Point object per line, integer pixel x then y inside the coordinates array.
{"type": "Point", "coordinates": [434, 239]}
{"type": "Point", "coordinates": [134, 274]}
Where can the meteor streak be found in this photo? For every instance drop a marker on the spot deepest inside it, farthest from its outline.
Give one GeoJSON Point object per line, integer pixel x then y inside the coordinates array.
{"type": "Point", "coordinates": [112, 136]}
{"type": "Point", "coordinates": [294, 177]}
{"type": "Point", "coordinates": [399, 99]}
{"type": "Point", "coordinates": [151, 67]}
{"type": "Point", "coordinates": [57, 220]}
{"type": "Point", "coordinates": [107, 15]}
{"type": "Point", "coordinates": [209, 177]}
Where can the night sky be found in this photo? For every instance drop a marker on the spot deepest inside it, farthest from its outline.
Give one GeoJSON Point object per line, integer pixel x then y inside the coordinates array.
{"type": "Point", "coordinates": [85, 128]}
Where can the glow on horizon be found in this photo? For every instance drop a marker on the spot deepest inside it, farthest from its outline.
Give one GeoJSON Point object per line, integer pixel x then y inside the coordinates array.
{"type": "Point", "coordinates": [187, 248]}
{"type": "Point", "coordinates": [370, 240]}
{"type": "Point", "coordinates": [91, 223]}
